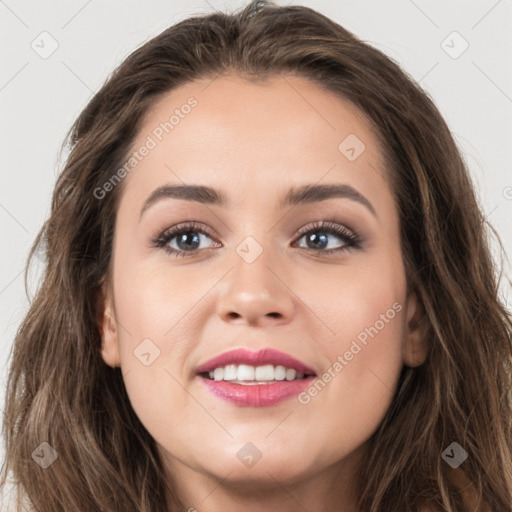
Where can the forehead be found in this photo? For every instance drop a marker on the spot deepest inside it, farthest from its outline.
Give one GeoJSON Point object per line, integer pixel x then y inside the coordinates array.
{"type": "Point", "coordinates": [242, 135]}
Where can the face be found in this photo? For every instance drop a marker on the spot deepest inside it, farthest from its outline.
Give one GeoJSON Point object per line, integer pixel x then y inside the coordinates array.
{"type": "Point", "coordinates": [318, 277]}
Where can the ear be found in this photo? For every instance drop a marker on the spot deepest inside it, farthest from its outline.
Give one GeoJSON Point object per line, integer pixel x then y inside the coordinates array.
{"type": "Point", "coordinates": [415, 343]}
{"type": "Point", "coordinates": [107, 327]}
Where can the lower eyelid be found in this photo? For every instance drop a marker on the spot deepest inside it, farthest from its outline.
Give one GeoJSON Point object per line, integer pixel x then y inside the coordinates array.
{"type": "Point", "coordinates": [345, 245]}
{"type": "Point", "coordinates": [349, 239]}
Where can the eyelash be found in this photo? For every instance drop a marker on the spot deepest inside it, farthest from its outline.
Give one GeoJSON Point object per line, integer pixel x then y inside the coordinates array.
{"type": "Point", "coordinates": [351, 239]}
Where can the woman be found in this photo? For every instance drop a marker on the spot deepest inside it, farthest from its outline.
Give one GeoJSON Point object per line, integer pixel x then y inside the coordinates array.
{"type": "Point", "coordinates": [332, 339]}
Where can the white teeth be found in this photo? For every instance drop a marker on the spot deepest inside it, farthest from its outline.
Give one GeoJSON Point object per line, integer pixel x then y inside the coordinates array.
{"type": "Point", "coordinates": [290, 374]}
{"type": "Point", "coordinates": [245, 372]}
{"type": "Point", "coordinates": [230, 372]}
{"type": "Point", "coordinates": [264, 372]}
{"type": "Point", "coordinates": [248, 373]}
{"type": "Point", "coordinates": [280, 372]}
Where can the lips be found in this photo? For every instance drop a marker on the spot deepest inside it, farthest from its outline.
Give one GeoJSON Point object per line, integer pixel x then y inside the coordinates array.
{"type": "Point", "coordinates": [260, 395]}
{"type": "Point", "coordinates": [258, 358]}
{"type": "Point", "coordinates": [255, 393]}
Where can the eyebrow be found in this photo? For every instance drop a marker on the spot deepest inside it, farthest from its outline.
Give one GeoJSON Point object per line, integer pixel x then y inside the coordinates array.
{"type": "Point", "coordinates": [304, 194]}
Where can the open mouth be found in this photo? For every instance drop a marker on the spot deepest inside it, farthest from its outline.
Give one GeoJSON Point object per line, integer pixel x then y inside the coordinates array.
{"type": "Point", "coordinates": [251, 375]}
{"type": "Point", "coordinates": [255, 379]}
{"type": "Point", "coordinates": [256, 392]}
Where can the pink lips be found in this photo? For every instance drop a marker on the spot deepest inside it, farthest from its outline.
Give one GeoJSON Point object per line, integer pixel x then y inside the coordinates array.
{"type": "Point", "coordinates": [259, 358]}
{"type": "Point", "coordinates": [256, 395]}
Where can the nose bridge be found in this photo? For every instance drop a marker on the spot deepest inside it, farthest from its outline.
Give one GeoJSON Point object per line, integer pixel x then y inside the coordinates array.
{"type": "Point", "coordinates": [254, 292]}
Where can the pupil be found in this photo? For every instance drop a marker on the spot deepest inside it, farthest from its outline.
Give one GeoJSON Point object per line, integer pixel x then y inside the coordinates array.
{"type": "Point", "coordinates": [314, 238]}
{"type": "Point", "coordinates": [184, 237]}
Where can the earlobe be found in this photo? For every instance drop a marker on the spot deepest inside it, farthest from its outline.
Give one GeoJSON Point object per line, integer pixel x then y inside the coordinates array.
{"type": "Point", "coordinates": [107, 327]}
{"type": "Point", "coordinates": [415, 346]}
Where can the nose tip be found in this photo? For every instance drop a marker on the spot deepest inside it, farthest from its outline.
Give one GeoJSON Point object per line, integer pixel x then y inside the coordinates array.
{"type": "Point", "coordinates": [254, 299]}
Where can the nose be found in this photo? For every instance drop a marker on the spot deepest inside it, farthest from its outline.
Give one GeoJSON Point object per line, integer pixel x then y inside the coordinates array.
{"type": "Point", "coordinates": [256, 294]}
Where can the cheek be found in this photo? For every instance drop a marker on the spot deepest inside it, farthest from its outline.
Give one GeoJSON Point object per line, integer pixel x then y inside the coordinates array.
{"type": "Point", "coordinates": [368, 314]}
{"type": "Point", "coordinates": [155, 310]}
{"type": "Point", "coordinates": [362, 326]}
{"type": "Point", "coordinates": [362, 301]}
{"type": "Point", "coordinates": [367, 353]}
{"type": "Point", "coordinates": [153, 300]}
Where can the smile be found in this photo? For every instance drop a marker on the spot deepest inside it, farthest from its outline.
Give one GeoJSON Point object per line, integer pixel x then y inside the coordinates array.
{"type": "Point", "coordinates": [255, 379]}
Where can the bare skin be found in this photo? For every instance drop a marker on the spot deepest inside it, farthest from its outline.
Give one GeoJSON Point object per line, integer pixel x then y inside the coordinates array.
{"type": "Point", "coordinates": [254, 142]}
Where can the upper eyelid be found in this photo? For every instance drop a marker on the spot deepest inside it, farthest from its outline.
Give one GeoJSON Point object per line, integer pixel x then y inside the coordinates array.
{"type": "Point", "coordinates": [312, 226]}
{"type": "Point", "coordinates": [351, 239]}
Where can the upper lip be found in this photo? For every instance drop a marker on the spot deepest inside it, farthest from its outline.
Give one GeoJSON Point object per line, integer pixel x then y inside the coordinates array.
{"type": "Point", "coordinates": [255, 358]}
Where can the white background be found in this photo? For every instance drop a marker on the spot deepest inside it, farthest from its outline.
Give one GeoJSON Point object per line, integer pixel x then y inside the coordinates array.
{"type": "Point", "coordinates": [40, 98]}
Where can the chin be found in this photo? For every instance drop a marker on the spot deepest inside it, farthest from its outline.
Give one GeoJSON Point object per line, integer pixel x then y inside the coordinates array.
{"type": "Point", "coordinates": [271, 467]}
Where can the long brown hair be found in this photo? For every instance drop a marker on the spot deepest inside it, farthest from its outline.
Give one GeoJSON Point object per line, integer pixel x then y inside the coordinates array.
{"type": "Point", "coordinates": [61, 392]}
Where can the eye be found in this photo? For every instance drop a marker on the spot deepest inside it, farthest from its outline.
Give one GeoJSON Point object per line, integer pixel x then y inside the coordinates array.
{"type": "Point", "coordinates": [317, 237]}
{"type": "Point", "coordinates": [188, 238]}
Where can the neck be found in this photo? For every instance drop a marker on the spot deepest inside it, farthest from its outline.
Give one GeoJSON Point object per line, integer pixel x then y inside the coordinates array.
{"type": "Point", "coordinates": [332, 488]}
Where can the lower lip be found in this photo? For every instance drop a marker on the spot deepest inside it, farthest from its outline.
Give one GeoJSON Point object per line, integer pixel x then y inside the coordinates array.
{"type": "Point", "coordinates": [256, 395]}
